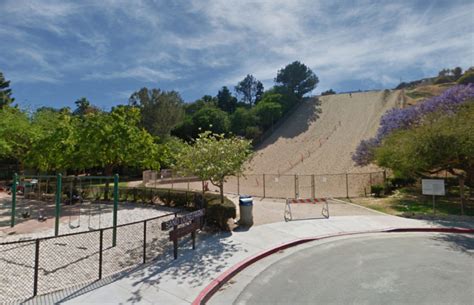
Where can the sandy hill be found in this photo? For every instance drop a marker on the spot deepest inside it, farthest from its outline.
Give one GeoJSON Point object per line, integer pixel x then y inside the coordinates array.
{"type": "Point", "coordinates": [321, 141]}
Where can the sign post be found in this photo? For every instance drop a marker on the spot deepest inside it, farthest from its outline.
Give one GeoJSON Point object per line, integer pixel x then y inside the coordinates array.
{"type": "Point", "coordinates": [190, 223]}
{"type": "Point", "coordinates": [434, 187]}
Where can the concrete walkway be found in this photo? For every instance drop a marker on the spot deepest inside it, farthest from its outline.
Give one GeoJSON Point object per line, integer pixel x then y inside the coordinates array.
{"type": "Point", "coordinates": [180, 281]}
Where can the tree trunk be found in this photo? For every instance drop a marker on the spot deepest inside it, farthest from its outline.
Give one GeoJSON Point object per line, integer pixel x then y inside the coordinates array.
{"type": "Point", "coordinates": [461, 192]}
{"type": "Point", "coordinates": [221, 189]}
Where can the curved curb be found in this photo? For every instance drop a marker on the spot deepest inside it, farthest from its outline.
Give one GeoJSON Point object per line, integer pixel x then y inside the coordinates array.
{"type": "Point", "coordinates": [217, 283]}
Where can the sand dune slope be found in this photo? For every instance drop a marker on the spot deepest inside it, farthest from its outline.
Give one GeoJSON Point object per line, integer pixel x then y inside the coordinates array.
{"type": "Point", "coordinates": [319, 143]}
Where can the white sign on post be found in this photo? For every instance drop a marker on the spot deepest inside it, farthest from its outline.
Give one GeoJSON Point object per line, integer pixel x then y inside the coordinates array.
{"type": "Point", "coordinates": [433, 187]}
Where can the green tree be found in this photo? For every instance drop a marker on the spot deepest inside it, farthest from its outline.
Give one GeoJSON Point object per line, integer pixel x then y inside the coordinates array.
{"type": "Point", "coordinates": [443, 142]}
{"type": "Point", "coordinates": [282, 96]}
{"type": "Point", "coordinates": [169, 150]}
{"type": "Point", "coordinates": [267, 112]}
{"type": "Point", "coordinates": [297, 78]}
{"type": "Point", "coordinates": [444, 72]}
{"type": "Point", "coordinates": [84, 106]}
{"type": "Point", "coordinates": [467, 78]}
{"type": "Point", "coordinates": [328, 92]}
{"type": "Point", "coordinates": [211, 118]}
{"type": "Point", "coordinates": [109, 140]}
{"type": "Point", "coordinates": [241, 119]}
{"type": "Point", "coordinates": [5, 92]}
{"type": "Point", "coordinates": [205, 101]}
{"type": "Point", "coordinates": [213, 157]}
{"type": "Point", "coordinates": [160, 110]}
{"type": "Point", "coordinates": [259, 92]}
{"type": "Point", "coordinates": [457, 72]}
{"type": "Point", "coordinates": [55, 145]}
{"type": "Point", "coordinates": [185, 130]}
{"type": "Point", "coordinates": [16, 134]}
{"type": "Point", "coordinates": [226, 101]}
{"type": "Point", "coordinates": [250, 89]}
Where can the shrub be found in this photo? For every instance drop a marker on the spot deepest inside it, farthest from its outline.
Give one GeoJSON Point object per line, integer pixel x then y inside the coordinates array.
{"type": "Point", "coordinates": [328, 92]}
{"type": "Point", "coordinates": [252, 132]}
{"type": "Point", "coordinates": [377, 190]}
{"type": "Point", "coordinates": [216, 213]}
{"type": "Point", "coordinates": [467, 78]}
{"type": "Point", "coordinates": [443, 80]}
{"type": "Point", "coordinates": [398, 182]}
{"type": "Point", "coordinates": [219, 213]}
{"type": "Point", "coordinates": [449, 102]}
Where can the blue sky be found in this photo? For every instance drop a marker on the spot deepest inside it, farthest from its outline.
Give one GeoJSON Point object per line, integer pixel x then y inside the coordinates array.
{"type": "Point", "coordinates": [56, 51]}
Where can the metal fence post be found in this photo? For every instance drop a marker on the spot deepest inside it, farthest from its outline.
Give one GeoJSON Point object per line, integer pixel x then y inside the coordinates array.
{"type": "Point", "coordinates": [263, 185]}
{"type": "Point", "coordinates": [347, 185]}
{"type": "Point", "coordinates": [144, 241]}
{"type": "Point", "coordinates": [101, 248]}
{"type": "Point", "coordinates": [384, 176]}
{"type": "Point", "coordinates": [36, 270]}
{"type": "Point", "coordinates": [114, 230]}
{"type": "Point", "coordinates": [175, 240]}
{"type": "Point", "coordinates": [238, 184]}
{"type": "Point", "coordinates": [15, 180]}
{"type": "Point", "coordinates": [370, 179]}
{"type": "Point", "coordinates": [313, 191]}
{"type": "Point", "coordinates": [296, 186]}
{"type": "Point", "coordinates": [57, 213]}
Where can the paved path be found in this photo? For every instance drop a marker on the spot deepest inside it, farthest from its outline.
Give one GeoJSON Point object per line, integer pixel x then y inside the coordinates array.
{"type": "Point", "coordinates": [180, 281]}
{"type": "Point", "coordinates": [380, 268]}
{"type": "Point", "coordinates": [270, 210]}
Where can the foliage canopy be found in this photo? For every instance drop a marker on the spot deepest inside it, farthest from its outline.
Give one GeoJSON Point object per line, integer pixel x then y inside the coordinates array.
{"type": "Point", "coordinates": [213, 157]}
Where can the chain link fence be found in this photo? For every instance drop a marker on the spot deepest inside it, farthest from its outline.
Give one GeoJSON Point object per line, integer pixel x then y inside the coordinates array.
{"type": "Point", "coordinates": [43, 265]}
{"type": "Point", "coordinates": [290, 186]}
{"type": "Point", "coordinates": [304, 186]}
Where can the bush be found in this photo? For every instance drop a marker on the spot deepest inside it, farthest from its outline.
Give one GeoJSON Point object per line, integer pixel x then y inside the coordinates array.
{"type": "Point", "coordinates": [216, 213]}
{"type": "Point", "coordinates": [443, 80]}
{"type": "Point", "coordinates": [219, 213]}
{"type": "Point", "coordinates": [467, 78]}
{"type": "Point", "coordinates": [252, 132]}
{"type": "Point", "coordinates": [328, 92]}
{"type": "Point", "coordinates": [398, 182]}
{"type": "Point", "coordinates": [377, 190]}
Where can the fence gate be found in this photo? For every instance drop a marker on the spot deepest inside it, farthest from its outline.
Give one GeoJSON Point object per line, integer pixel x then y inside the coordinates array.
{"type": "Point", "coordinates": [323, 201]}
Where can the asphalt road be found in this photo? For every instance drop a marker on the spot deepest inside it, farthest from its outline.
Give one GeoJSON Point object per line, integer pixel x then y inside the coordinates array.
{"type": "Point", "coordinates": [409, 268]}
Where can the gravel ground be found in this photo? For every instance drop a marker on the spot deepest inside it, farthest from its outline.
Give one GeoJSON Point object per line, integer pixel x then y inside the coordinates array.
{"type": "Point", "coordinates": [67, 261]}
{"type": "Point", "coordinates": [92, 216]}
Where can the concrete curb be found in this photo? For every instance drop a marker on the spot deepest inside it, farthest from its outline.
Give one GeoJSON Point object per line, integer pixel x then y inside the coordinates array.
{"type": "Point", "coordinates": [217, 283]}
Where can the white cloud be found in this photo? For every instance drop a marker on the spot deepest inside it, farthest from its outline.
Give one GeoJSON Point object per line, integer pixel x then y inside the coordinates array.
{"type": "Point", "coordinates": [224, 40]}
{"type": "Point", "coordinates": [141, 73]}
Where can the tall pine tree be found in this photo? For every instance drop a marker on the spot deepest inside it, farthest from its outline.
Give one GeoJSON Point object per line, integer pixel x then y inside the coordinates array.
{"type": "Point", "coordinates": [5, 92]}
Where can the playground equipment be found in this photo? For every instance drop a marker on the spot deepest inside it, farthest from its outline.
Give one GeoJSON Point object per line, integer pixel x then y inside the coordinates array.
{"type": "Point", "coordinates": [90, 226]}
{"type": "Point", "coordinates": [83, 194]}
{"type": "Point", "coordinates": [41, 197]}
{"type": "Point", "coordinates": [35, 195]}
{"type": "Point", "coordinates": [324, 211]}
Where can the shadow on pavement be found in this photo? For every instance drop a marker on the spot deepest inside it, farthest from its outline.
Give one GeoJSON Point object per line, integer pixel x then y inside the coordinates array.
{"type": "Point", "coordinates": [458, 242]}
{"type": "Point", "coordinates": [193, 268]}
